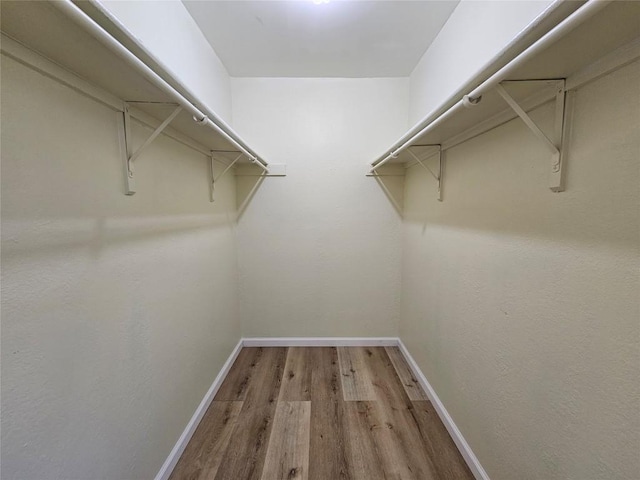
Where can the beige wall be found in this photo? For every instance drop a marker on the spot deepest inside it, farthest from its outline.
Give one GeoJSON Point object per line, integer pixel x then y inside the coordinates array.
{"type": "Point", "coordinates": [117, 312]}
{"type": "Point", "coordinates": [521, 306]}
{"type": "Point", "coordinates": [319, 250]}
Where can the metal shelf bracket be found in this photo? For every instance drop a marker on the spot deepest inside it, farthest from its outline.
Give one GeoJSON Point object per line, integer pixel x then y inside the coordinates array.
{"type": "Point", "coordinates": [558, 145]}
{"type": "Point", "coordinates": [129, 156]}
{"type": "Point", "coordinates": [439, 175]}
{"type": "Point", "coordinates": [215, 178]}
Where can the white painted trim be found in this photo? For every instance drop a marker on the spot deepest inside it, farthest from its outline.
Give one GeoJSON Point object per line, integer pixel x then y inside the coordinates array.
{"type": "Point", "coordinates": [605, 65]}
{"type": "Point", "coordinates": [456, 435]}
{"type": "Point", "coordinates": [321, 342]}
{"type": "Point", "coordinates": [176, 452]}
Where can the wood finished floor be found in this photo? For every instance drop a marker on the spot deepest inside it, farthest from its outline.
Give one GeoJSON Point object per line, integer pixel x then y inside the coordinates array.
{"type": "Point", "coordinates": [316, 413]}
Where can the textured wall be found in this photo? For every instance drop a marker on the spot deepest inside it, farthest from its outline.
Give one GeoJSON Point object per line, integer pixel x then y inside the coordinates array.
{"type": "Point", "coordinates": [319, 250]}
{"type": "Point", "coordinates": [169, 32]}
{"type": "Point", "coordinates": [117, 312]}
{"type": "Point", "coordinates": [521, 306]}
{"type": "Point", "coordinates": [475, 32]}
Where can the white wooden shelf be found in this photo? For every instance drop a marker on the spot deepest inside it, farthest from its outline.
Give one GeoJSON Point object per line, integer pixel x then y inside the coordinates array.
{"type": "Point", "coordinates": [45, 37]}
{"type": "Point", "coordinates": [607, 40]}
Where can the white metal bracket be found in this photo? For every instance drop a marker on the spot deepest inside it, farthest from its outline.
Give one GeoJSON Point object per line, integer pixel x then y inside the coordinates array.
{"type": "Point", "coordinates": [557, 145]}
{"type": "Point", "coordinates": [129, 156]}
{"type": "Point", "coordinates": [215, 178]}
{"type": "Point", "coordinates": [438, 176]}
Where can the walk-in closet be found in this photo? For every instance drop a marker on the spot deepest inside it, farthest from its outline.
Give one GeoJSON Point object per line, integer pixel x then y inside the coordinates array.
{"type": "Point", "coordinates": [320, 240]}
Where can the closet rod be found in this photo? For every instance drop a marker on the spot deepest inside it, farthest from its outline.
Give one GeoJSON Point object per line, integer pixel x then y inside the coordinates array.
{"type": "Point", "coordinates": [474, 97]}
{"type": "Point", "coordinates": [106, 39]}
{"type": "Point", "coordinates": [164, 68]}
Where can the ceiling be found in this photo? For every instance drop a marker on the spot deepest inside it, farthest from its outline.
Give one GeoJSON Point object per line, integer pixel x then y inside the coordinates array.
{"type": "Point", "coordinates": [307, 39]}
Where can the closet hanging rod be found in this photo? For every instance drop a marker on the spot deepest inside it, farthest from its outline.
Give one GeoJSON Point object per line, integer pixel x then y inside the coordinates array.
{"type": "Point", "coordinates": [106, 39]}
{"type": "Point", "coordinates": [181, 87]}
{"type": "Point", "coordinates": [467, 101]}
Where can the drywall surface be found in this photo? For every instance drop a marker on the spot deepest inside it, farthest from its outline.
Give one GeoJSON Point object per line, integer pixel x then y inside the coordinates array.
{"type": "Point", "coordinates": [169, 32]}
{"type": "Point", "coordinates": [475, 32]}
{"type": "Point", "coordinates": [319, 250]}
{"type": "Point", "coordinates": [521, 306]}
{"type": "Point", "coordinates": [328, 39]}
{"type": "Point", "coordinates": [117, 312]}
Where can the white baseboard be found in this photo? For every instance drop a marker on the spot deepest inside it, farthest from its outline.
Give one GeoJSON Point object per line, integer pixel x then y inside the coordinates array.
{"type": "Point", "coordinates": [176, 452]}
{"type": "Point", "coordinates": [321, 342]}
{"type": "Point", "coordinates": [461, 443]}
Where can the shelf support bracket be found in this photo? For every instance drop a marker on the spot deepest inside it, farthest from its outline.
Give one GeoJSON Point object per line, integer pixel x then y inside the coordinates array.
{"type": "Point", "coordinates": [215, 179]}
{"type": "Point", "coordinates": [557, 146]}
{"type": "Point", "coordinates": [129, 156]}
{"type": "Point", "coordinates": [438, 177]}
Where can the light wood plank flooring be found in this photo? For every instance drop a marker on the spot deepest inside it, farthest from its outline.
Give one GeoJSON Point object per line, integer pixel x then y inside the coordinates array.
{"type": "Point", "coordinates": [314, 413]}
